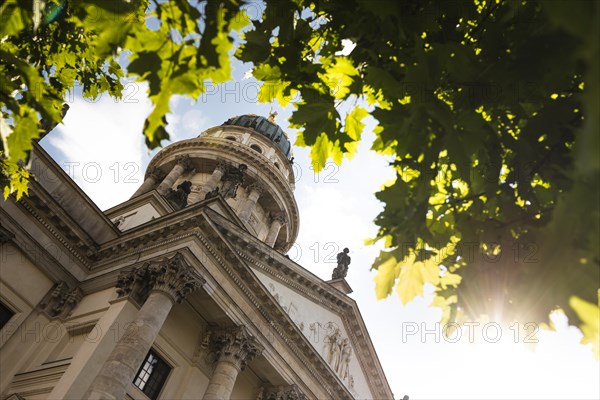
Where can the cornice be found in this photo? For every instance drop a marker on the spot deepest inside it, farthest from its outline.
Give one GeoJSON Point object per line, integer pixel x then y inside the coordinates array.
{"type": "Point", "coordinates": [151, 197]}
{"type": "Point", "coordinates": [38, 153]}
{"type": "Point", "coordinates": [158, 232]}
{"type": "Point", "coordinates": [37, 254]}
{"type": "Point", "coordinates": [58, 223]}
{"type": "Point", "coordinates": [296, 277]}
{"type": "Point", "coordinates": [277, 319]}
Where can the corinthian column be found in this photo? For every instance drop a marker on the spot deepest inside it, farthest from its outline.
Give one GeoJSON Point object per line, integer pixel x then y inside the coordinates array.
{"type": "Point", "coordinates": [234, 349]}
{"type": "Point", "coordinates": [150, 182]}
{"type": "Point", "coordinates": [277, 221]}
{"type": "Point", "coordinates": [255, 191]}
{"type": "Point", "coordinates": [182, 163]}
{"type": "Point", "coordinates": [213, 181]}
{"type": "Point", "coordinates": [161, 284]}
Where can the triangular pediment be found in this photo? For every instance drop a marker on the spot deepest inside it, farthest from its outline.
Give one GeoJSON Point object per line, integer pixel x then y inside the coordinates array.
{"type": "Point", "coordinates": [321, 314]}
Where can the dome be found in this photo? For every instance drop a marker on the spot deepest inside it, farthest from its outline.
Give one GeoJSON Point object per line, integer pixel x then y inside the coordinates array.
{"type": "Point", "coordinates": [266, 128]}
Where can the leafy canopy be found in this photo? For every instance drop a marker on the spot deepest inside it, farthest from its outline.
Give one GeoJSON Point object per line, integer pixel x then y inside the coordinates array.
{"type": "Point", "coordinates": [488, 108]}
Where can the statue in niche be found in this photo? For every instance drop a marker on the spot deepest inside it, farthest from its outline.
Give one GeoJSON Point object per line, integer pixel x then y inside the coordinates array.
{"type": "Point", "coordinates": [178, 198]}
{"type": "Point", "coordinates": [232, 179]}
{"type": "Point", "coordinates": [343, 261]}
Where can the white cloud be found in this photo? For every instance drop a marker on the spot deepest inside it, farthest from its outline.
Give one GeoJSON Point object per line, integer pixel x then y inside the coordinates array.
{"type": "Point", "coordinates": [103, 147]}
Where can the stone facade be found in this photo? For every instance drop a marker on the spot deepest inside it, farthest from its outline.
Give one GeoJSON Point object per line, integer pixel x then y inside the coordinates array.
{"type": "Point", "coordinates": [195, 286]}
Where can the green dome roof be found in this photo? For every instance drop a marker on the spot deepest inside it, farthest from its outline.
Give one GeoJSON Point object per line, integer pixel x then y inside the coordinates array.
{"type": "Point", "coordinates": [266, 128]}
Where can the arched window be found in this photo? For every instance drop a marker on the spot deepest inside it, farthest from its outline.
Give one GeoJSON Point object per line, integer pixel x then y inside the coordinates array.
{"type": "Point", "coordinates": [231, 138]}
{"type": "Point", "coordinates": [277, 165]}
{"type": "Point", "coordinates": [256, 148]}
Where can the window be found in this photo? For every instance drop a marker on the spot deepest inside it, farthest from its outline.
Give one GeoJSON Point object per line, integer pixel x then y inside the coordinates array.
{"type": "Point", "coordinates": [5, 315]}
{"type": "Point", "coordinates": [256, 148]}
{"type": "Point", "coordinates": [152, 375]}
{"type": "Point", "coordinates": [231, 138]}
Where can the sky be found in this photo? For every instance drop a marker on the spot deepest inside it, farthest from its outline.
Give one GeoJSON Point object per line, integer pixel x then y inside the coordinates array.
{"type": "Point", "coordinates": [101, 147]}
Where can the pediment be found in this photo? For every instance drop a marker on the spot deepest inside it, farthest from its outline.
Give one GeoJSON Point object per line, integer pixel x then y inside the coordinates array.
{"type": "Point", "coordinates": [322, 314]}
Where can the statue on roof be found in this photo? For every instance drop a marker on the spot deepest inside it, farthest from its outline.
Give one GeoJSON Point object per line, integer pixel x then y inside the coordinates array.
{"type": "Point", "coordinates": [343, 261]}
{"type": "Point", "coordinates": [272, 116]}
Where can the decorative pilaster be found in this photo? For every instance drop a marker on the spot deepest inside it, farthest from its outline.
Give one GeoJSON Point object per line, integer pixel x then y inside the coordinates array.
{"type": "Point", "coordinates": [154, 176]}
{"type": "Point", "coordinates": [214, 180]}
{"type": "Point", "coordinates": [60, 301]}
{"type": "Point", "coordinates": [277, 220]}
{"type": "Point", "coordinates": [164, 282]}
{"type": "Point", "coordinates": [234, 349]}
{"type": "Point", "coordinates": [182, 163]}
{"type": "Point", "coordinates": [254, 192]}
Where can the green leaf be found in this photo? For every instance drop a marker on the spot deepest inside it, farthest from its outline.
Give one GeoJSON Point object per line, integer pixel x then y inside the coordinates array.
{"type": "Point", "coordinates": [590, 316]}
{"type": "Point", "coordinates": [25, 129]}
{"type": "Point", "coordinates": [354, 126]}
{"type": "Point", "coordinates": [14, 18]}
{"type": "Point", "coordinates": [385, 278]}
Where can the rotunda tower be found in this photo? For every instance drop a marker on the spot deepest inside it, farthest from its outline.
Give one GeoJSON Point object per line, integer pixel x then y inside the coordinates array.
{"type": "Point", "coordinates": [248, 162]}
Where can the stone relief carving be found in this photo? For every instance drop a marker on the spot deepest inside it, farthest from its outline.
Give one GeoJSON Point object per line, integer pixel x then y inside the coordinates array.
{"type": "Point", "coordinates": [60, 301]}
{"type": "Point", "coordinates": [202, 357]}
{"type": "Point", "coordinates": [252, 220]}
{"type": "Point", "coordinates": [291, 392]}
{"type": "Point", "coordinates": [289, 307]}
{"type": "Point", "coordinates": [336, 349]}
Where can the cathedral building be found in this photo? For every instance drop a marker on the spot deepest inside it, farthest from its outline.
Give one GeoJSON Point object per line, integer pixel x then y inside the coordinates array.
{"type": "Point", "coordinates": [182, 292]}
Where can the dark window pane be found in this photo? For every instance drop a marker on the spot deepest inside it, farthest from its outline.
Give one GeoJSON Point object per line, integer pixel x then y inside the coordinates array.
{"type": "Point", "coordinates": [152, 375]}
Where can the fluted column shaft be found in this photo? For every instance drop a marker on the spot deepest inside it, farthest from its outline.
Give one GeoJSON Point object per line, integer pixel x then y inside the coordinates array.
{"type": "Point", "coordinates": [250, 203]}
{"type": "Point", "coordinates": [179, 168]}
{"type": "Point", "coordinates": [222, 381]}
{"type": "Point", "coordinates": [125, 360]}
{"type": "Point", "coordinates": [213, 181]}
{"type": "Point", "coordinates": [168, 282]}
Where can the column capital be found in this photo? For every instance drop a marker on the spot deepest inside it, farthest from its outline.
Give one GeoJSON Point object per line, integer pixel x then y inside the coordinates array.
{"type": "Point", "coordinates": [60, 300]}
{"type": "Point", "coordinates": [278, 216]}
{"type": "Point", "coordinates": [236, 346]}
{"type": "Point", "coordinates": [291, 392]}
{"type": "Point", "coordinates": [256, 187]}
{"type": "Point", "coordinates": [184, 160]}
{"type": "Point", "coordinates": [156, 174]}
{"type": "Point", "coordinates": [222, 165]}
{"type": "Point", "coordinates": [172, 276]}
